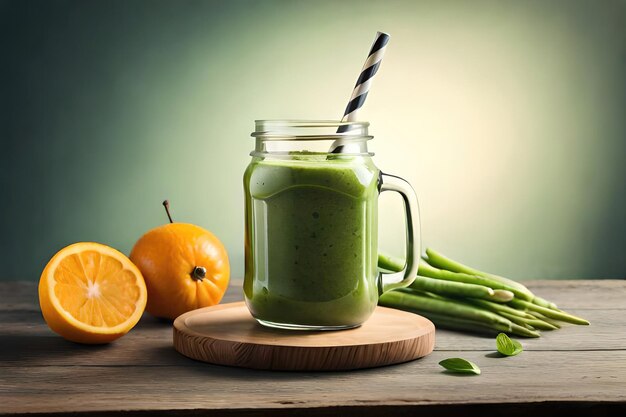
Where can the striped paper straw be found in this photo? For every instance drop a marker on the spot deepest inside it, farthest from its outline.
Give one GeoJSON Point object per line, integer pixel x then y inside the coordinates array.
{"type": "Point", "coordinates": [370, 68]}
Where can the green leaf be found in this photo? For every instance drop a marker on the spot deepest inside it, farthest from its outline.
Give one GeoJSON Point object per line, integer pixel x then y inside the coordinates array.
{"type": "Point", "coordinates": [508, 346]}
{"type": "Point", "coordinates": [460, 365]}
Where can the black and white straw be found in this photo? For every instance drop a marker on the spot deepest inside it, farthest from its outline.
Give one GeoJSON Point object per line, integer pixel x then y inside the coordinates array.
{"type": "Point", "coordinates": [362, 86]}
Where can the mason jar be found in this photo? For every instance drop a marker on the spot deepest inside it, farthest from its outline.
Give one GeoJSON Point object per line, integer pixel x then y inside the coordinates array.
{"type": "Point", "coordinates": [311, 226]}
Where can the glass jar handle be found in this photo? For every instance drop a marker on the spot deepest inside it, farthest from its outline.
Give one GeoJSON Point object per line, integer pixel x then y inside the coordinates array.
{"type": "Point", "coordinates": [404, 278]}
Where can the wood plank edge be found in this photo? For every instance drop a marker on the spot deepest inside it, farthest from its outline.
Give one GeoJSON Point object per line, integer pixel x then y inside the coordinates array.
{"type": "Point", "coordinates": [372, 409]}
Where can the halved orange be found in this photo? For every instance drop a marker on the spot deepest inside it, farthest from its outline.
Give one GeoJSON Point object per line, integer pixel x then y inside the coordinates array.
{"type": "Point", "coordinates": [91, 293]}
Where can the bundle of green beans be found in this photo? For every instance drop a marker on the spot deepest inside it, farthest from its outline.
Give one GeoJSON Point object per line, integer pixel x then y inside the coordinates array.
{"type": "Point", "coordinates": [455, 296]}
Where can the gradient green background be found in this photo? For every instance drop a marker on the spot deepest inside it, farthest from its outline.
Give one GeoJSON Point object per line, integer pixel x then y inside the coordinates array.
{"type": "Point", "coordinates": [508, 117]}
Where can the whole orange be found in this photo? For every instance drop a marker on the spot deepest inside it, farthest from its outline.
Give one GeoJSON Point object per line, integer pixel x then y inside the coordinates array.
{"type": "Point", "coordinates": [185, 267]}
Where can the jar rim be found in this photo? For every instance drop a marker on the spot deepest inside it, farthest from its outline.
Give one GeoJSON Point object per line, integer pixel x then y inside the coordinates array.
{"type": "Point", "coordinates": [293, 129]}
{"type": "Point", "coordinates": [309, 123]}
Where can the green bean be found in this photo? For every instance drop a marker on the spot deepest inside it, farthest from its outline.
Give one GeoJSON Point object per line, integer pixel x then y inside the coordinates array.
{"type": "Point", "coordinates": [390, 263]}
{"type": "Point", "coordinates": [544, 318]}
{"type": "Point", "coordinates": [412, 300]}
{"type": "Point", "coordinates": [447, 283]}
{"type": "Point", "coordinates": [451, 288]}
{"type": "Point", "coordinates": [553, 314]}
{"type": "Point", "coordinates": [541, 324]}
{"type": "Point", "coordinates": [517, 320]}
{"type": "Point", "coordinates": [425, 269]}
{"type": "Point", "coordinates": [523, 331]}
{"type": "Point", "coordinates": [459, 297]}
{"type": "Point", "coordinates": [499, 308]}
{"type": "Point", "coordinates": [434, 283]}
{"type": "Point", "coordinates": [534, 323]}
{"type": "Point", "coordinates": [544, 303]}
{"type": "Point", "coordinates": [394, 264]}
{"type": "Point", "coordinates": [440, 261]}
{"type": "Point", "coordinates": [455, 323]}
{"type": "Point", "coordinates": [518, 317]}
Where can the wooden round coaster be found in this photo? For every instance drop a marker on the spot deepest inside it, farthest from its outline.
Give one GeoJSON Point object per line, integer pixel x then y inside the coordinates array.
{"type": "Point", "coordinates": [227, 334]}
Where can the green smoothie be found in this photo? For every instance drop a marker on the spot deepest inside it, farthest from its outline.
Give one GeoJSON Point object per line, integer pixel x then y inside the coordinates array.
{"type": "Point", "coordinates": [311, 239]}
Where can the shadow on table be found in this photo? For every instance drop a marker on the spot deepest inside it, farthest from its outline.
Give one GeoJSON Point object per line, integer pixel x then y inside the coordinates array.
{"type": "Point", "coordinates": [149, 344]}
{"type": "Point", "coordinates": [198, 368]}
{"type": "Point", "coordinates": [24, 349]}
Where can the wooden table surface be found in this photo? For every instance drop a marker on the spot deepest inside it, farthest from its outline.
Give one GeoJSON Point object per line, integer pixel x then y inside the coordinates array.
{"type": "Point", "coordinates": [577, 368]}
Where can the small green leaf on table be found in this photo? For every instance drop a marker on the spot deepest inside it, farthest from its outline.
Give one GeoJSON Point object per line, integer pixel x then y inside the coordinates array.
{"type": "Point", "coordinates": [461, 366]}
{"type": "Point", "coordinates": [508, 346]}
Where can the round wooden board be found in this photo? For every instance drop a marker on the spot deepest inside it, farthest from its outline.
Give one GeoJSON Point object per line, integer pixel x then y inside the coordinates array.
{"type": "Point", "coordinates": [227, 334]}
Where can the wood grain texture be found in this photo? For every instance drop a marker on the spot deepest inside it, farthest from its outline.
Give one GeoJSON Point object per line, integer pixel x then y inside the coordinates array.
{"type": "Point", "coordinates": [576, 369]}
{"type": "Point", "coordinates": [532, 377]}
{"type": "Point", "coordinates": [228, 335]}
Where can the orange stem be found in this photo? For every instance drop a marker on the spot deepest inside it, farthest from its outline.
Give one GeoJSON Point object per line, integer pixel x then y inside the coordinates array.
{"type": "Point", "coordinates": [166, 204]}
